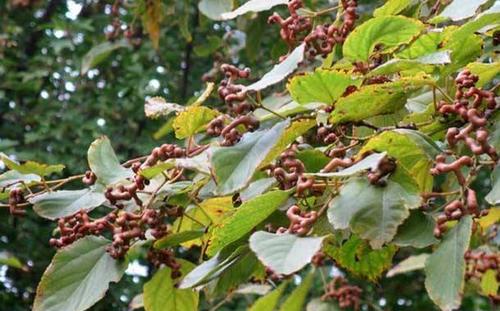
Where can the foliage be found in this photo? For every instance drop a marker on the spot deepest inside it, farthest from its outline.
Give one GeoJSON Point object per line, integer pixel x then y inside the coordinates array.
{"type": "Point", "coordinates": [369, 138]}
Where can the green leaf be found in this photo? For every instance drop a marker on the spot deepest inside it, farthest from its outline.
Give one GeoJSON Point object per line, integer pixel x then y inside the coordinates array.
{"type": "Point", "coordinates": [62, 203]}
{"type": "Point", "coordinates": [314, 160]}
{"type": "Point", "coordinates": [214, 9]}
{"type": "Point", "coordinates": [10, 260]}
{"type": "Point", "coordinates": [269, 301]}
{"type": "Point", "coordinates": [411, 263]}
{"type": "Point", "coordinates": [485, 72]}
{"type": "Point", "coordinates": [78, 276]}
{"type": "Point", "coordinates": [359, 258]}
{"type": "Point", "coordinates": [161, 293]}
{"type": "Point", "coordinates": [416, 231]}
{"type": "Point", "coordinates": [256, 188]}
{"type": "Point", "coordinates": [174, 239]}
{"type": "Point", "coordinates": [370, 211]}
{"type": "Point", "coordinates": [104, 163]}
{"type": "Point", "coordinates": [11, 178]}
{"type": "Point", "coordinates": [371, 162]}
{"type": "Point", "coordinates": [99, 53]}
{"type": "Point", "coordinates": [214, 267]}
{"type": "Point", "coordinates": [376, 99]}
{"type": "Point", "coordinates": [461, 9]}
{"type": "Point", "coordinates": [423, 45]}
{"type": "Point", "coordinates": [493, 197]}
{"type": "Point", "coordinates": [392, 7]}
{"type": "Point", "coordinates": [253, 6]}
{"type": "Point", "coordinates": [280, 71]}
{"type": "Point", "coordinates": [245, 218]}
{"type": "Point", "coordinates": [413, 151]}
{"type": "Point", "coordinates": [193, 120]}
{"type": "Point", "coordinates": [295, 301]}
{"type": "Point", "coordinates": [158, 107]}
{"type": "Point", "coordinates": [409, 66]}
{"type": "Point", "coordinates": [445, 268]}
{"type": "Point", "coordinates": [284, 253]}
{"type": "Point", "coordinates": [291, 133]}
{"type": "Point", "coordinates": [31, 167]}
{"type": "Point", "coordinates": [321, 86]}
{"type": "Point", "coordinates": [212, 44]}
{"type": "Point", "coordinates": [388, 31]}
{"type": "Point", "coordinates": [234, 166]}
{"type": "Point", "coordinates": [238, 273]}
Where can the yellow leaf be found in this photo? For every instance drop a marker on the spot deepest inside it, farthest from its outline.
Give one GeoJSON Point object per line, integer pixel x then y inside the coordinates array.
{"type": "Point", "coordinates": [490, 219]}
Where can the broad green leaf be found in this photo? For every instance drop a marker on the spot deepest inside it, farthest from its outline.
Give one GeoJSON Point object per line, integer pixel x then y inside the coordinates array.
{"type": "Point", "coordinates": [213, 267]}
{"type": "Point", "coordinates": [212, 44]}
{"type": "Point", "coordinates": [461, 9]}
{"type": "Point", "coordinates": [445, 267]}
{"type": "Point", "coordinates": [78, 276]}
{"type": "Point", "coordinates": [62, 203]}
{"type": "Point", "coordinates": [297, 298]}
{"type": "Point", "coordinates": [416, 231]}
{"type": "Point", "coordinates": [153, 171]}
{"type": "Point", "coordinates": [11, 178]}
{"type": "Point", "coordinates": [99, 53]}
{"type": "Point", "coordinates": [414, 153]}
{"type": "Point", "coordinates": [158, 107]}
{"type": "Point", "coordinates": [234, 166]}
{"type": "Point", "coordinates": [280, 71]}
{"type": "Point", "coordinates": [411, 263]}
{"type": "Point", "coordinates": [161, 293]}
{"type": "Point", "coordinates": [321, 86]}
{"type": "Point", "coordinates": [104, 163]}
{"type": "Point", "coordinates": [423, 45]}
{"type": "Point", "coordinates": [31, 167]}
{"type": "Point", "coordinates": [193, 120]}
{"type": "Point", "coordinates": [371, 162]}
{"type": "Point", "coordinates": [493, 197]}
{"type": "Point", "coordinates": [359, 258]}
{"type": "Point", "coordinates": [424, 63]}
{"type": "Point", "coordinates": [388, 31]}
{"type": "Point", "coordinates": [174, 239]}
{"type": "Point", "coordinates": [253, 6]}
{"type": "Point", "coordinates": [245, 218]}
{"type": "Point", "coordinates": [314, 160]}
{"type": "Point", "coordinates": [489, 283]}
{"type": "Point", "coordinates": [284, 253]}
{"type": "Point", "coordinates": [270, 301]}
{"type": "Point", "coordinates": [214, 9]}
{"type": "Point", "coordinates": [291, 133]}
{"type": "Point", "coordinates": [239, 272]}
{"type": "Point", "coordinates": [485, 72]}
{"type": "Point", "coordinates": [372, 212]}
{"type": "Point", "coordinates": [376, 99]}
{"type": "Point", "coordinates": [392, 7]}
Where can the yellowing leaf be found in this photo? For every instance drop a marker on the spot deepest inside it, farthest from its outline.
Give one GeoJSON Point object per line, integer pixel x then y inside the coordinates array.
{"type": "Point", "coordinates": [193, 120]}
{"type": "Point", "coordinates": [492, 218]}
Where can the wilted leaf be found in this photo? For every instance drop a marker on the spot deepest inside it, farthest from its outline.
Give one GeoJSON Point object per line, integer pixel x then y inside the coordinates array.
{"type": "Point", "coordinates": [78, 276]}
{"type": "Point", "coordinates": [157, 107]}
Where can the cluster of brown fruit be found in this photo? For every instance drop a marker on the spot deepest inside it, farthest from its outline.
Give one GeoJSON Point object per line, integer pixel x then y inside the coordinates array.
{"type": "Point", "coordinates": [301, 222]}
{"type": "Point", "coordinates": [234, 95]}
{"type": "Point", "coordinates": [231, 132]}
{"type": "Point", "coordinates": [348, 296]}
{"type": "Point", "coordinates": [294, 27]}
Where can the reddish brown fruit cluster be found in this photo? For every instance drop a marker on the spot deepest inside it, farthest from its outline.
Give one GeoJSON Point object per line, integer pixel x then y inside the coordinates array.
{"type": "Point", "coordinates": [456, 209]}
{"type": "Point", "coordinates": [478, 262]}
{"type": "Point", "coordinates": [469, 107]}
{"type": "Point", "coordinates": [129, 191]}
{"type": "Point", "coordinates": [294, 27]}
{"type": "Point", "coordinates": [348, 296]}
{"type": "Point", "coordinates": [323, 39]}
{"type": "Point", "coordinates": [132, 34]}
{"type": "Point", "coordinates": [300, 222]}
{"type": "Point", "coordinates": [289, 172]}
{"type": "Point", "coordinates": [126, 227]}
{"type": "Point", "coordinates": [234, 95]}
{"type": "Point", "coordinates": [165, 257]}
{"type": "Point", "coordinates": [318, 259]}
{"type": "Point", "coordinates": [230, 132]}
{"type": "Point", "coordinates": [16, 197]}
{"type": "Point", "coordinates": [442, 167]}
